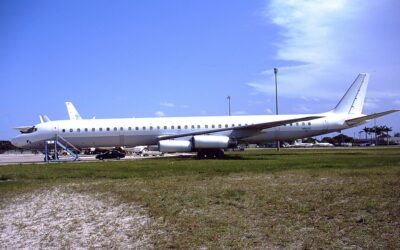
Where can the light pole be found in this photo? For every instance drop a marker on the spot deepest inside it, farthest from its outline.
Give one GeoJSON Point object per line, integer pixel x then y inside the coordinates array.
{"type": "Point", "coordinates": [229, 104]}
{"type": "Point", "coordinates": [375, 131]}
{"type": "Point", "coordinates": [276, 103]}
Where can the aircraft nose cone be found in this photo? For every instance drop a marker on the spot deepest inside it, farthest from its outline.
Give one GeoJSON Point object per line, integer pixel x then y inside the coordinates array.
{"type": "Point", "coordinates": [16, 142]}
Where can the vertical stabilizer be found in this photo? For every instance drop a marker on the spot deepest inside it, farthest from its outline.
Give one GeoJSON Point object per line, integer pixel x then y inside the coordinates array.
{"type": "Point", "coordinates": [353, 101]}
{"type": "Point", "coordinates": [44, 118]}
{"type": "Point", "coordinates": [72, 112]}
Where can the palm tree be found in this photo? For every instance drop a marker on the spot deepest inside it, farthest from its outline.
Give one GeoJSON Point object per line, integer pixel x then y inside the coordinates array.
{"type": "Point", "coordinates": [378, 130]}
{"type": "Point", "coordinates": [378, 133]}
{"type": "Point", "coordinates": [359, 134]}
{"type": "Point", "coordinates": [366, 131]}
{"type": "Point", "coordinates": [385, 130]}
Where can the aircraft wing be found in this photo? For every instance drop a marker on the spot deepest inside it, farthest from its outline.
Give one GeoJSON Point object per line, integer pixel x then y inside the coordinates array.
{"type": "Point", "coordinates": [361, 119]}
{"type": "Point", "coordinates": [252, 127]}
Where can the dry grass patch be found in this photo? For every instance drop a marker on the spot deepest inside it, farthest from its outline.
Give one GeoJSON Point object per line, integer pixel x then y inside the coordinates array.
{"type": "Point", "coordinates": [60, 218]}
{"type": "Point", "coordinates": [300, 209]}
{"type": "Point", "coordinates": [327, 198]}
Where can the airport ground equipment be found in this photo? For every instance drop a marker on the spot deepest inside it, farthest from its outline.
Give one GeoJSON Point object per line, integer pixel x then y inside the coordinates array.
{"type": "Point", "coordinates": [59, 142]}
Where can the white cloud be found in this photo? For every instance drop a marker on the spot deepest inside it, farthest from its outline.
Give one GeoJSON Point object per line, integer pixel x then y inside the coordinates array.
{"type": "Point", "coordinates": [312, 46]}
{"type": "Point", "coordinates": [371, 103]}
{"type": "Point", "coordinates": [308, 99]}
{"type": "Point", "coordinates": [173, 105]}
{"type": "Point", "coordinates": [167, 104]}
{"type": "Point", "coordinates": [307, 28]}
{"type": "Point", "coordinates": [301, 109]}
{"type": "Point", "coordinates": [268, 110]}
{"type": "Point", "coordinates": [240, 112]}
{"type": "Point", "coordinates": [258, 102]}
{"type": "Point", "coordinates": [159, 113]}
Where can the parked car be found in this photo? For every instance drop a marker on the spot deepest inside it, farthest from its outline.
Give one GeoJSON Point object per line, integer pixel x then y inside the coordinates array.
{"type": "Point", "coordinates": [113, 154]}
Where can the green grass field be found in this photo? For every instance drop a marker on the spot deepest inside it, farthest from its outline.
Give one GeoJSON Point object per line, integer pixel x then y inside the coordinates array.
{"type": "Point", "coordinates": [310, 198]}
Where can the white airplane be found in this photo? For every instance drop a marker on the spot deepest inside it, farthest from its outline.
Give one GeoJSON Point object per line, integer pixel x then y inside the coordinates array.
{"type": "Point", "coordinates": [322, 144]}
{"type": "Point", "coordinates": [298, 144]}
{"type": "Point", "coordinates": [207, 136]}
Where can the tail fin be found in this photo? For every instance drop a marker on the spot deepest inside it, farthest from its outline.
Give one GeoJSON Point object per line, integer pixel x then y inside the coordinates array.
{"type": "Point", "coordinates": [353, 101]}
{"type": "Point", "coordinates": [44, 118]}
{"type": "Point", "coordinates": [72, 112]}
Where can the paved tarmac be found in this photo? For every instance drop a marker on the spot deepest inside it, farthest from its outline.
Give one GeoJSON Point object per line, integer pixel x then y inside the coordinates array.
{"type": "Point", "coordinates": [6, 159]}
{"type": "Point", "coordinates": [29, 158]}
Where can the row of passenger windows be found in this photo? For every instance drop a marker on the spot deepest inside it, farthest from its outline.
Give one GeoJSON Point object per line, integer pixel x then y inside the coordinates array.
{"type": "Point", "coordinates": [151, 128]}
{"type": "Point", "coordinates": [166, 127]}
{"type": "Point", "coordinates": [297, 124]}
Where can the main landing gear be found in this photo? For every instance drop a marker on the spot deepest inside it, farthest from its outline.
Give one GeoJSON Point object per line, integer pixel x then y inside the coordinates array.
{"type": "Point", "coordinates": [210, 154]}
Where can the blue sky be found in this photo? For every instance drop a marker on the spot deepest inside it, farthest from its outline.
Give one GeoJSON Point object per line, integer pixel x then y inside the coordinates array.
{"type": "Point", "coordinates": [182, 58]}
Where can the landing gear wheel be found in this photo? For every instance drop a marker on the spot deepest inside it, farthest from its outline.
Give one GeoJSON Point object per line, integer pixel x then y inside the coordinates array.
{"type": "Point", "coordinates": [220, 154]}
{"type": "Point", "coordinates": [201, 155]}
{"type": "Point", "coordinates": [210, 154]}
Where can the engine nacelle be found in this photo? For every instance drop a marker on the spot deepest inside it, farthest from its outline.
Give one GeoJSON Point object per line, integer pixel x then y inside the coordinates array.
{"type": "Point", "coordinates": [171, 146]}
{"type": "Point", "coordinates": [212, 141]}
{"type": "Point", "coordinates": [197, 142]}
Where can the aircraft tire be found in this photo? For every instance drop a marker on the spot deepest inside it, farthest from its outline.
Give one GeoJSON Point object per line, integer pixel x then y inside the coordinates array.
{"type": "Point", "coordinates": [201, 155]}
{"type": "Point", "coordinates": [220, 154]}
{"type": "Point", "coordinates": [210, 154]}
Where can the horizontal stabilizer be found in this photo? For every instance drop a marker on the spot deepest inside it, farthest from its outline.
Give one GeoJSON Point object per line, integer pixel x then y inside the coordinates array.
{"type": "Point", "coordinates": [354, 121]}
{"type": "Point", "coordinates": [26, 129]}
{"type": "Point", "coordinates": [23, 128]}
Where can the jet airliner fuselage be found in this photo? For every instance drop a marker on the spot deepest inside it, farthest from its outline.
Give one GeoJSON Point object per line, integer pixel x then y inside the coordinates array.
{"type": "Point", "coordinates": [132, 132]}
{"type": "Point", "coordinates": [183, 134]}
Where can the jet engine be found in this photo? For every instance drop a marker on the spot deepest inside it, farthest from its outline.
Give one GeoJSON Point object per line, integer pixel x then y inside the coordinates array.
{"type": "Point", "coordinates": [172, 146]}
{"type": "Point", "coordinates": [197, 142]}
{"type": "Point", "coordinates": [213, 141]}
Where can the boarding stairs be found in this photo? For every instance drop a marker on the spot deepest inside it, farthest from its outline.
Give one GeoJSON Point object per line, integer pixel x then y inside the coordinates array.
{"type": "Point", "coordinates": [61, 142]}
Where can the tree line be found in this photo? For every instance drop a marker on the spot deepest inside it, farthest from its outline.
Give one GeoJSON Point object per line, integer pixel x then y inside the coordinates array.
{"type": "Point", "coordinates": [378, 131]}
{"type": "Point", "coordinates": [6, 145]}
